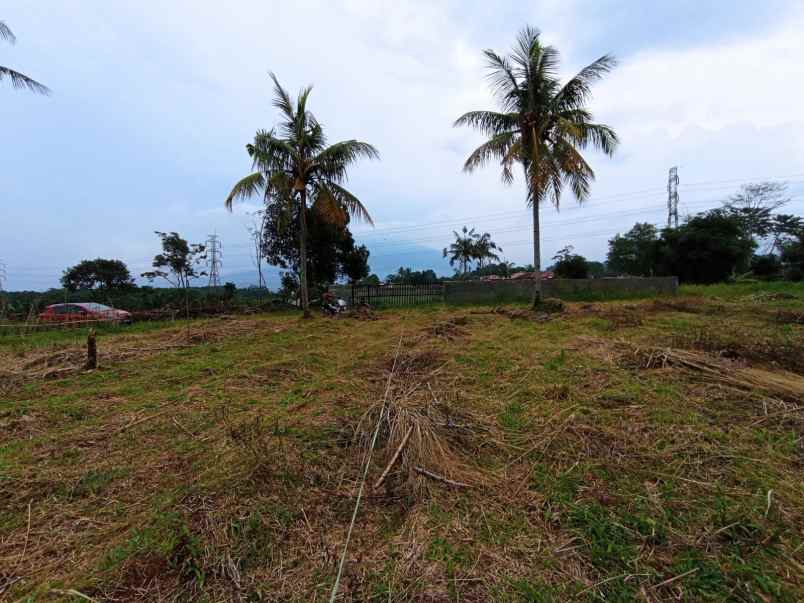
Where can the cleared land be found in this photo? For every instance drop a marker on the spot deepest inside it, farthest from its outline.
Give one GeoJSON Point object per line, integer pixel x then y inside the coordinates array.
{"type": "Point", "coordinates": [621, 451]}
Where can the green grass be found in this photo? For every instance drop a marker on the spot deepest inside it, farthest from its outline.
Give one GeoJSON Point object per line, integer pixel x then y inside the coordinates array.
{"type": "Point", "coordinates": [732, 291]}
{"type": "Point", "coordinates": [226, 469]}
{"type": "Point", "coordinates": [14, 341]}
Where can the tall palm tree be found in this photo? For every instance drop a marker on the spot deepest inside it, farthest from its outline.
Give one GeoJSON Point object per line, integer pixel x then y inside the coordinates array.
{"type": "Point", "coordinates": [463, 250]}
{"type": "Point", "coordinates": [485, 249]}
{"type": "Point", "coordinates": [542, 125]}
{"type": "Point", "coordinates": [293, 166]}
{"type": "Point", "coordinates": [18, 80]}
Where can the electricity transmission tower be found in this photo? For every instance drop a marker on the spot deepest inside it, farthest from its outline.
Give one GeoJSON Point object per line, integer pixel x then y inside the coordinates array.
{"type": "Point", "coordinates": [672, 198]}
{"type": "Point", "coordinates": [215, 259]}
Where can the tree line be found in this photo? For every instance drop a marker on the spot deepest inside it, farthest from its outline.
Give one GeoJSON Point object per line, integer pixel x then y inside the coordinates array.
{"type": "Point", "coordinates": [748, 235]}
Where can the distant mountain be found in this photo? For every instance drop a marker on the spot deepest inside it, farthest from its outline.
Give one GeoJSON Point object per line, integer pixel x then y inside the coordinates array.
{"type": "Point", "coordinates": [382, 261]}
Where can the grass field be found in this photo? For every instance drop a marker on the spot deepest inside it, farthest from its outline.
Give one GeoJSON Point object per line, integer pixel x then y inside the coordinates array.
{"type": "Point", "coordinates": [638, 450]}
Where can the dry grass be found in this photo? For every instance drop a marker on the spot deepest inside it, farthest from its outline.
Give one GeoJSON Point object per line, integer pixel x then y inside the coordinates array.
{"type": "Point", "coordinates": [723, 371]}
{"type": "Point", "coordinates": [425, 437]}
{"type": "Point", "coordinates": [522, 461]}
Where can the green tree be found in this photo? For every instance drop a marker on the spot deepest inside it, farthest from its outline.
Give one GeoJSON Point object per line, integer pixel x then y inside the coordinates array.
{"type": "Point", "coordinates": [293, 166]}
{"type": "Point", "coordinates": [408, 276]}
{"type": "Point", "coordinates": [596, 269]}
{"type": "Point", "coordinates": [708, 248]}
{"type": "Point", "coordinates": [754, 206]}
{"type": "Point", "coordinates": [570, 265]}
{"type": "Point", "coordinates": [97, 273]}
{"type": "Point", "coordinates": [485, 249]}
{"type": "Point", "coordinates": [331, 249]}
{"type": "Point", "coordinates": [793, 256]}
{"type": "Point", "coordinates": [766, 266]}
{"type": "Point", "coordinates": [354, 262]}
{"type": "Point", "coordinates": [542, 127]}
{"type": "Point", "coordinates": [634, 252]}
{"type": "Point", "coordinates": [785, 229]}
{"type": "Point", "coordinates": [178, 264]}
{"type": "Point", "coordinates": [371, 279]}
{"type": "Point", "coordinates": [18, 80]}
{"type": "Point", "coordinates": [463, 250]}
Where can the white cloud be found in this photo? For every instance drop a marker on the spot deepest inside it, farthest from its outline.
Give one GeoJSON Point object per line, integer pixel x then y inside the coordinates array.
{"type": "Point", "coordinates": [152, 129]}
{"type": "Point", "coordinates": [751, 81]}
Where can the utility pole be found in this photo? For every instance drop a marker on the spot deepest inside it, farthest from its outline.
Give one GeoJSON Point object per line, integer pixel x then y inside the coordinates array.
{"type": "Point", "coordinates": [672, 197]}
{"type": "Point", "coordinates": [215, 259]}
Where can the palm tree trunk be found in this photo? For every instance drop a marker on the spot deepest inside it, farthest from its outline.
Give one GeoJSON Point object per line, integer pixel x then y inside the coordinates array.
{"type": "Point", "coordinates": [537, 253]}
{"type": "Point", "coordinates": [537, 248]}
{"type": "Point", "coordinates": [303, 292]}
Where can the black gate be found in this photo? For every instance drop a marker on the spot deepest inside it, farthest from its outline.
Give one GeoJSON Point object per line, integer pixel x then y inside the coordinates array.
{"type": "Point", "coordinates": [397, 295]}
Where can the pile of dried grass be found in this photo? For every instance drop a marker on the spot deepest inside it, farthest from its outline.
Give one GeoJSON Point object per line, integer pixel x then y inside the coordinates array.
{"type": "Point", "coordinates": [448, 329]}
{"type": "Point", "coordinates": [773, 383]}
{"type": "Point", "coordinates": [785, 353]}
{"type": "Point", "coordinates": [522, 314]}
{"type": "Point", "coordinates": [426, 440]}
{"type": "Point", "coordinates": [362, 312]}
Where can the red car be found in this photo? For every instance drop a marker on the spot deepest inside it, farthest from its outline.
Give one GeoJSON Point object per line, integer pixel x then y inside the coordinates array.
{"type": "Point", "coordinates": [83, 312]}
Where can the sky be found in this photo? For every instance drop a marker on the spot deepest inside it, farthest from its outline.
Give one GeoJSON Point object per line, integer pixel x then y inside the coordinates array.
{"type": "Point", "coordinates": [154, 102]}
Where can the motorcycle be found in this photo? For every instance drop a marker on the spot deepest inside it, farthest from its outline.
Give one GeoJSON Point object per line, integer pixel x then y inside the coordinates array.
{"type": "Point", "coordinates": [334, 307]}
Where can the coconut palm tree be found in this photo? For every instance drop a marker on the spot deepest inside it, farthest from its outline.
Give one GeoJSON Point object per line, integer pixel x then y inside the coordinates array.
{"type": "Point", "coordinates": [18, 80]}
{"type": "Point", "coordinates": [293, 166]}
{"type": "Point", "coordinates": [463, 250]}
{"type": "Point", "coordinates": [485, 249]}
{"type": "Point", "coordinates": [542, 125]}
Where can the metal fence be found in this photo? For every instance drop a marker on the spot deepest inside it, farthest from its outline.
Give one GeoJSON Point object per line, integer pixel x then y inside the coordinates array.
{"type": "Point", "coordinates": [397, 295]}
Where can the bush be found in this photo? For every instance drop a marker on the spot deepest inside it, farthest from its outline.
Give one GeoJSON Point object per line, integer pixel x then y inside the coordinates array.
{"type": "Point", "coordinates": [766, 266]}
{"type": "Point", "coordinates": [708, 248]}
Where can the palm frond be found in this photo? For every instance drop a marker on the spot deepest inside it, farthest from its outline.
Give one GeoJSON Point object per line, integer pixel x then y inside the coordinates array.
{"type": "Point", "coordinates": [497, 147]}
{"type": "Point", "coordinates": [19, 80]}
{"type": "Point", "coordinates": [501, 75]}
{"type": "Point", "coordinates": [602, 137]}
{"type": "Point", "coordinates": [246, 188]}
{"type": "Point", "coordinates": [334, 160]}
{"type": "Point", "coordinates": [350, 203]}
{"type": "Point", "coordinates": [6, 33]}
{"type": "Point", "coordinates": [281, 97]}
{"type": "Point", "coordinates": [511, 158]}
{"type": "Point", "coordinates": [577, 91]}
{"type": "Point", "coordinates": [489, 123]}
{"type": "Point", "coordinates": [269, 153]}
{"type": "Point", "coordinates": [544, 65]}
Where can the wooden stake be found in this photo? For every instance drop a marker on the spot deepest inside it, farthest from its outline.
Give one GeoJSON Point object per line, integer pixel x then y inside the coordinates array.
{"type": "Point", "coordinates": [92, 351]}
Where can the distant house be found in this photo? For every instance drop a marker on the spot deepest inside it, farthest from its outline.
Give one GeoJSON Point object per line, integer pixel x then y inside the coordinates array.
{"type": "Point", "coordinates": [518, 276]}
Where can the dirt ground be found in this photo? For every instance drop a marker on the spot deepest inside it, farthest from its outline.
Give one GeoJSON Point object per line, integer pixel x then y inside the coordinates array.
{"type": "Point", "coordinates": [615, 451]}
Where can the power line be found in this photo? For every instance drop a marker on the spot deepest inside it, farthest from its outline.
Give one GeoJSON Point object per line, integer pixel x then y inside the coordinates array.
{"type": "Point", "coordinates": [407, 242]}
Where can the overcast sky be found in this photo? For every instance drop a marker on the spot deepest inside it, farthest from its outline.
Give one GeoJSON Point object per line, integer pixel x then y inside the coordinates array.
{"type": "Point", "coordinates": [153, 103]}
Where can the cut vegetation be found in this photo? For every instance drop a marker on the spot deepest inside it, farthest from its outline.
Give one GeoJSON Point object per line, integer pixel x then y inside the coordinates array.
{"type": "Point", "coordinates": [614, 451]}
